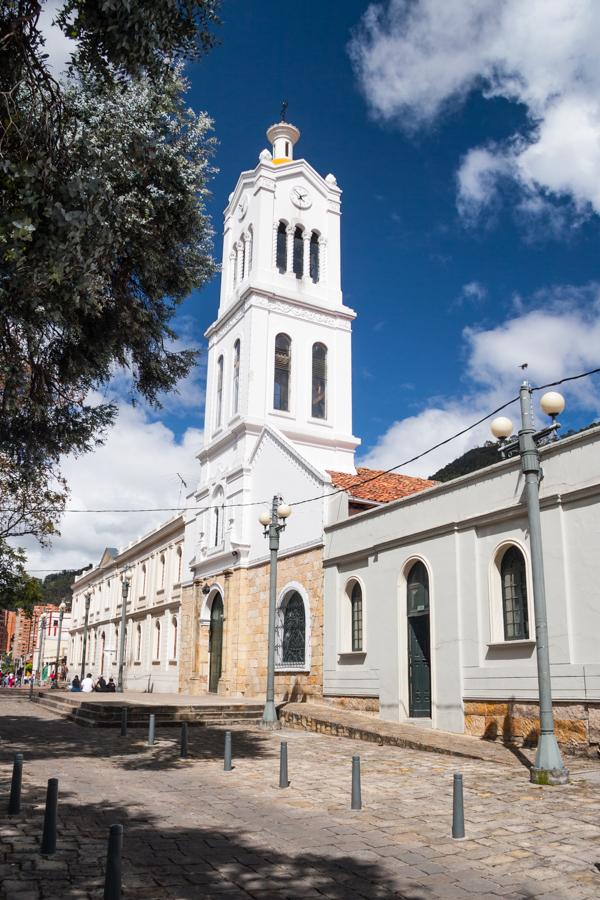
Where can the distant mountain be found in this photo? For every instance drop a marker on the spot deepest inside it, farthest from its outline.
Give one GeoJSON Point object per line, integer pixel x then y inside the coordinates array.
{"type": "Point", "coordinates": [57, 586]}
{"type": "Point", "coordinates": [481, 457]}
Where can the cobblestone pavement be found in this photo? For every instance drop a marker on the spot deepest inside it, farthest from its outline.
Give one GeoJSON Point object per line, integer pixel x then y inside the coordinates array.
{"type": "Point", "coordinates": [195, 831]}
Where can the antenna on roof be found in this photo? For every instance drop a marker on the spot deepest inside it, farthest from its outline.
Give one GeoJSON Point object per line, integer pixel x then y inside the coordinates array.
{"type": "Point", "coordinates": [283, 113]}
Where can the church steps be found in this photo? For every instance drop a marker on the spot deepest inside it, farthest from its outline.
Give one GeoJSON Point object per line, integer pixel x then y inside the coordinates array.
{"type": "Point", "coordinates": [108, 715]}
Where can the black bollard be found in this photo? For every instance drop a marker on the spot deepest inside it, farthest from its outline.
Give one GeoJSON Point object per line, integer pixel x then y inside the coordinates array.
{"type": "Point", "coordinates": [14, 803]}
{"type": "Point", "coordinates": [31, 687]}
{"type": "Point", "coordinates": [49, 834]}
{"type": "Point", "coordinates": [112, 879]}
{"type": "Point", "coordinates": [184, 740]}
{"type": "Point", "coordinates": [123, 721]}
{"type": "Point", "coordinates": [283, 766]}
{"type": "Point", "coordinates": [356, 796]}
{"type": "Point", "coordinates": [151, 728]}
{"type": "Point", "coordinates": [227, 759]}
{"type": "Point", "coordinates": [458, 812]}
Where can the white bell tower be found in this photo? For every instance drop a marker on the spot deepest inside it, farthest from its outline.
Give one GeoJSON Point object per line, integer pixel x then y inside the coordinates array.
{"type": "Point", "coordinates": [279, 352]}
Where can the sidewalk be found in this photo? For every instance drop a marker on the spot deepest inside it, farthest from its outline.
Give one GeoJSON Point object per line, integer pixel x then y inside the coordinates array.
{"type": "Point", "coordinates": [192, 830]}
{"type": "Point", "coordinates": [324, 718]}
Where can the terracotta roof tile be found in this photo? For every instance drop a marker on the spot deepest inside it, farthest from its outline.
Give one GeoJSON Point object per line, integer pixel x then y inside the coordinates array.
{"type": "Point", "coordinates": [383, 489]}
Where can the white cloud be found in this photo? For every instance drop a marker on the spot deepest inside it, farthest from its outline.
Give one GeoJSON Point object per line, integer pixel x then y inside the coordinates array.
{"type": "Point", "coordinates": [558, 337]}
{"type": "Point", "coordinates": [136, 468]}
{"type": "Point", "coordinates": [417, 59]}
{"type": "Point", "coordinates": [472, 292]}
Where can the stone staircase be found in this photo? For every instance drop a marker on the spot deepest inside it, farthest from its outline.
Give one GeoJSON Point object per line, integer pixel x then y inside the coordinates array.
{"type": "Point", "coordinates": [96, 714]}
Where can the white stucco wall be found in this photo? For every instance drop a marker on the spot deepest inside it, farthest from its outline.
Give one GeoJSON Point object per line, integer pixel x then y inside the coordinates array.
{"type": "Point", "coordinates": [456, 529]}
{"type": "Point", "coordinates": [152, 599]}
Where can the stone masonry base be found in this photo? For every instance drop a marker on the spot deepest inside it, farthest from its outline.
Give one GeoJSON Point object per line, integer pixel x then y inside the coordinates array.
{"type": "Point", "coordinates": [577, 725]}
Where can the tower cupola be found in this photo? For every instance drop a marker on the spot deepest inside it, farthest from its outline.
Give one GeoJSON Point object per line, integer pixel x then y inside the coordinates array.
{"type": "Point", "coordinates": [283, 136]}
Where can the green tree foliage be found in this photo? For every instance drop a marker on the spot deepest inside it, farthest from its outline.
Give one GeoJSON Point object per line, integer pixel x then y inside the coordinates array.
{"type": "Point", "coordinates": [21, 592]}
{"type": "Point", "coordinates": [103, 230]}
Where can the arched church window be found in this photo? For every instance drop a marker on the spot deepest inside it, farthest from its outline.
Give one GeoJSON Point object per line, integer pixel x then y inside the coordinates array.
{"type": "Point", "coordinates": [319, 381]}
{"type": "Point", "coordinates": [157, 640]}
{"type": "Point", "coordinates": [219, 391]}
{"type": "Point", "coordinates": [293, 644]}
{"type": "Point", "coordinates": [514, 595]}
{"type": "Point", "coordinates": [314, 257]}
{"type": "Point", "coordinates": [283, 362]}
{"type": "Point", "coordinates": [281, 255]}
{"type": "Point", "coordinates": [236, 376]}
{"type": "Point", "coordinates": [218, 513]}
{"type": "Point", "coordinates": [356, 604]}
{"type": "Point", "coordinates": [298, 256]}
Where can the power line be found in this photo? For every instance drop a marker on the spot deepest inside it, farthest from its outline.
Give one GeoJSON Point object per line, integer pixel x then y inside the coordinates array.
{"type": "Point", "coordinates": [406, 462]}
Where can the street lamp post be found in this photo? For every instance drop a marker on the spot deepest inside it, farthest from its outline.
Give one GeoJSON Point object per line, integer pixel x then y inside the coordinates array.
{"type": "Point", "coordinates": [125, 581]}
{"type": "Point", "coordinates": [41, 650]}
{"type": "Point", "coordinates": [273, 523]}
{"type": "Point", "coordinates": [549, 767]}
{"type": "Point", "coordinates": [61, 612]}
{"type": "Point", "coordinates": [88, 597]}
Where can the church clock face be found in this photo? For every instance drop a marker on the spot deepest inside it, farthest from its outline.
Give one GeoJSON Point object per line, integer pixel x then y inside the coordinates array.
{"type": "Point", "coordinates": [300, 197]}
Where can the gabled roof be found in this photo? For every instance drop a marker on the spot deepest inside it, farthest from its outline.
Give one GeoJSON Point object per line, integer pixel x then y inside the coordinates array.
{"type": "Point", "coordinates": [108, 556]}
{"type": "Point", "coordinates": [378, 486]}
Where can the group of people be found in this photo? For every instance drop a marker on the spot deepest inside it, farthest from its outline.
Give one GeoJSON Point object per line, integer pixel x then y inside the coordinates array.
{"type": "Point", "coordinates": [12, 679]}
{"type": "Point", "coordinates": [87, 685]}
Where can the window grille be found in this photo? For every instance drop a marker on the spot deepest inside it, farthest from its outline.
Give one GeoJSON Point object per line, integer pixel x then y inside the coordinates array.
{"type": "Point", "coordinates": [314, 257]}
{"type": "Point", "coordinates": [290, 635]}
{"type": "Point", "coordinates": [514, 595]}
{"type": "Point", "coordinates": [298, 263]}
{"type": "Point", "coordinates": [357, 617]}
{"type": "Point", "coordinates": [283, 359]}
{"type": "Point", "coordinates": [319, 381]}
{"type": "Point", "coordinates": [281, 255]}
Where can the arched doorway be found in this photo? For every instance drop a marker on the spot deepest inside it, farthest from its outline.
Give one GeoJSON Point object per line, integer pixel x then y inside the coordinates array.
{"type": "Point", "coordinates": [215, 643]}
{"type": "Point", "coordinates": [419, 654]}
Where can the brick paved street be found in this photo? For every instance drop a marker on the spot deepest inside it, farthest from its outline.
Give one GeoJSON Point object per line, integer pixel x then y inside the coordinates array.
{"type": "Point", "coordinates": [195, 831]}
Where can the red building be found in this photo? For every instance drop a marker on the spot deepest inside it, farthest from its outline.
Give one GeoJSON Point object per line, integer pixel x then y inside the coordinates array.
{"type": "Point", "coordinates": [7, 630]}
{"type": "Point", "coordinates": [27, 631]}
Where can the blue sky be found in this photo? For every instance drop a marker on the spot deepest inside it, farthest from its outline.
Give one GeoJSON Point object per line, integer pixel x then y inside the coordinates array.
{"type": "Point", "coordinates": [466, 139]}
{"type": "Point", "coordinates": [408, 254]}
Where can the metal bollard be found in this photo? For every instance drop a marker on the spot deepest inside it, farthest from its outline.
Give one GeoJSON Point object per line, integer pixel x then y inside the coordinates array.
{"type": "Point", "coordinates": [227, 759]}
{"type": "Point", "coordinates": [283, 766]}
{"type": "Point", "coordinates": [356, 796]}
{"type": "Point", "coordinates": [14, 803]}
{"type": "Point", "coordinates": [184, 740]}
{"type": "Point", "coordinates": [112, 878]}
{"type": "Point", "coordinates": [31, 687]}
{"type": "Point", "coordinates": [151, 728]}
{"type": "Point", "coordinates": [458, 812]}
{"type": "Point", "coordinates": [49, 833]}
{"type": "Point", "coordinates": [123, 721]}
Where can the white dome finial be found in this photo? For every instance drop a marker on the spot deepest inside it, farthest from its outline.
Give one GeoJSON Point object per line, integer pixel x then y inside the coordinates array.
{"type": "Point", "coordinates": [283, 136]}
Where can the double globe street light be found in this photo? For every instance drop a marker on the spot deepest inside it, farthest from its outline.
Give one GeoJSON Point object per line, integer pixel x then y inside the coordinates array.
{"type": "Point", "coordinates": [549, 767]}
{"type": "Point", "coordinates": [273, 523]}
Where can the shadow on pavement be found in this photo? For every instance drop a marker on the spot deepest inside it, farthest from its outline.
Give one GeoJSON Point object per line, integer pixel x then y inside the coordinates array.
{"type": "Point", "coordinates": [179, 862]}
{"type": "Point", "coordinates": [63, 738]}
